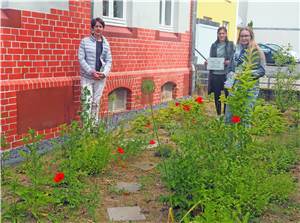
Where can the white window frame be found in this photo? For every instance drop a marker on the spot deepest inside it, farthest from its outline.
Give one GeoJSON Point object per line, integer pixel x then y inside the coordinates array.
{"type": "Point", "coordinates": [225, 24]}
{"type": "Point", "coordinates": [162, 25]}
{"type": "Point", "coordinates": [110, 20]}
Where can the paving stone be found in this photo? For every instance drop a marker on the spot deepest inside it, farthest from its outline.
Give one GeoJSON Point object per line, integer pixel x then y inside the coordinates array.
{"type": "Point", "coordinates": [128, 187]}
{"type": "Point", "coordinates": [145, 165]}
{"type": "Point", "coordinates": [125, 214]}
{"type": "Point", "coordinates": [150, 146]}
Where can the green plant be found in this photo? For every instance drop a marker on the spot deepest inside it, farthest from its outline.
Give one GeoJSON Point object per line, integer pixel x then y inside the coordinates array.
{"type": "Point", "coordinates": [267, 120]}
{"type": "Point", "coordinates": [218, 173]}
{"type": "Point", "coordinates": [141, 124]}
{"type": "Point", "coordinates": [86, 120]}
{"type": "Point", "coordinates": [32, 197]}
{"type": "Point", "coordinates": [282, 57]}
{"type": "Point", "coordinates": [241, 95]}
{"type": "Point", "coordinates": [148, 87]}
{"type": "Point", "coordinates": [285, 80]}
{"type": "Point", "coordinates": [4, 156]}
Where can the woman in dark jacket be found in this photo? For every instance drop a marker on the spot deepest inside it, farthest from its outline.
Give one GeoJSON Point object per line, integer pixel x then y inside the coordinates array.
{"type": "Point", "coordinates": [216, 78]}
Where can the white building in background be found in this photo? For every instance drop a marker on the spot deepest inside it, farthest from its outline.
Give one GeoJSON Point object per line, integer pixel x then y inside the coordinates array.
{"type": "Point", "coordinates": [274, 21]}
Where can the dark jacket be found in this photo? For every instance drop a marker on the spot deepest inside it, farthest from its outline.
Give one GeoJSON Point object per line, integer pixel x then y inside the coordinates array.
{"type": "Point", "coordinates": [237, 60]}
{"type": "Point", "coordinates": [229, 51]}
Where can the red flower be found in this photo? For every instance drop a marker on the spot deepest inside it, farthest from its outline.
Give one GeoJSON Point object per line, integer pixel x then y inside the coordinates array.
{"type": "Point", "coordinates": [187, 108]}
{"type": "Point", "coordinates": [177, 104]}
{"type": "Point", "coordinates": [121, 150]}
{"type": "Point", "coordinates": [199, 100]}
{"type": "Point", "coordinates": [59, 176]}
{"type": "Point", "coordinates": [235, 119]}
{"type": "Point", "coordinates": [148, 126]}
{"type": "Point", "coordinates": [152, 142]}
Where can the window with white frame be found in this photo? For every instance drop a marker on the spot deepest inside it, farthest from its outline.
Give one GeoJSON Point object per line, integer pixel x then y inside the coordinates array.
{"type": "Point", "coordinates": [166, 13]}
{"type": "Point", "coordinates": [225, 24]}
{"type": "Point", "coordinates": [117, 100]}
{"type": "Point", "coordinates": [114, 11]}
{"type": "Point", "coordinates": [167, 92]}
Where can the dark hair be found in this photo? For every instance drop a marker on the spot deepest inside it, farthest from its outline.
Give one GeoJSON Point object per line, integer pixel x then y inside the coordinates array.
{"type": "Point", "coordinates": [222, 28]}
{"type": "Point", "coordinates": [225, 30]}
{"type": "Point", "coordinates": [94, 21]}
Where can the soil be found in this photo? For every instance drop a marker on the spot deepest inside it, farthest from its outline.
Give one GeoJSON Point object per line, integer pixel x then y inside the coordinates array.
{"type": "Point", "coordinates": [286, 213]}
{"type": "Point", "coordinates": [147, 198]}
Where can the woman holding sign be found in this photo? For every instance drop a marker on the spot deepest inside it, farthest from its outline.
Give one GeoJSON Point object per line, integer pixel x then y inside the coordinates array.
{"type": "Point", "coordinates": [221, 51]}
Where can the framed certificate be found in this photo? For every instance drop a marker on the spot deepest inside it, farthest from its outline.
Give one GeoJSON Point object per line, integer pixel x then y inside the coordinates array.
{"type": "Point", "coordinates": [215, 63]}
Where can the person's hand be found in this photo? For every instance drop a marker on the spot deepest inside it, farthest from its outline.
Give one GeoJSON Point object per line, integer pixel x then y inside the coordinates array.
{"type": "Point", "coordinates": [205, 64]}
{"type": "Point", "coordinates": [98, 75]}
{"type": "Point", "coordinates": [94, 74]}
{"type": "Point", "coordinates": [226, 62]}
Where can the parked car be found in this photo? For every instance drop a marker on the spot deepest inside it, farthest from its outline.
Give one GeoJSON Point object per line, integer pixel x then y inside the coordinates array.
{"type": "Point", "coordinates": [271, 49]}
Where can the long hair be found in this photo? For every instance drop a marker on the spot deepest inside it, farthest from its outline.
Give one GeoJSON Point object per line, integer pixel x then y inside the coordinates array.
{"type": "Point", "coordinates": [225, 30]}
{"type": "Point", "coordinates": [252, 44]}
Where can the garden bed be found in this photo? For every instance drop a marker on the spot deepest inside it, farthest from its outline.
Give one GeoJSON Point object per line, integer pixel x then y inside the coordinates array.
{"type": "Point", "coordinates": [200, 153]}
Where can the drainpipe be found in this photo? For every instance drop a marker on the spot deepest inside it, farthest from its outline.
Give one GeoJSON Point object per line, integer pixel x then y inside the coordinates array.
{"type": "Point", "coordinates": [192, 53]}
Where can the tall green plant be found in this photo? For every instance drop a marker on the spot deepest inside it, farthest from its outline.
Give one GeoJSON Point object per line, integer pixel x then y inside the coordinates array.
{"type": "Point", "coordinates": [241, 94]}
{"type": "Point", "coordinates": [285, 80]}
{"type": "Point", "coordinates": [148, 88]}
{"type": "Point", "coordinates": [32, 197]}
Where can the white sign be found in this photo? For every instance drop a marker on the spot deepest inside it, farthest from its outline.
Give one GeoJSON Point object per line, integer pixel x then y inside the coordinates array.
{"type": "Point", "coordinates": [215, 63]}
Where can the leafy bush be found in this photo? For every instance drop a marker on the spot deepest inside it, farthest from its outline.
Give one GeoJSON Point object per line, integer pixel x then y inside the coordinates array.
{"type": "Point", "coordinates": [267, 119]}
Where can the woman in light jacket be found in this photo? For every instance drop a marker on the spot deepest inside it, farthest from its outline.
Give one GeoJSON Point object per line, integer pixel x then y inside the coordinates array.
{"type": "Point", "coordinates": [95, 63]}
{"type": "Point", "coordinates": [220, 48]}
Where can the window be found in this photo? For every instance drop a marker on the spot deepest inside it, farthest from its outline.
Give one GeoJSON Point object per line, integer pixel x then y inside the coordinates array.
{"type": "Point", "coordinates": [114, 11]}
{"type": "Point", "coordinates": [225, 24]}
{"type": "Point", "coordinates": [207, 18]}
{"type": "Point", "coordinates": [117, 100]}
{"type": "Point", "coordinates": [167, 92]}
{"type": "Point", "coordinates": [166, 13]}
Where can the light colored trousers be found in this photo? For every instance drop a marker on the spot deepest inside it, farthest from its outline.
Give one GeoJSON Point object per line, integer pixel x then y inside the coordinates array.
{"type": "Point", "coordinates": [95, 88]}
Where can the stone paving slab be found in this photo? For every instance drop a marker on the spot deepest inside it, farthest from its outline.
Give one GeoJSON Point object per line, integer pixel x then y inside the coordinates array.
{"type": "Point", "coordinates": [145, 165]}
{"type": "Point", "coordinates": [125, 214]}
{"type": "Point", "coordinates": [128, 187]}
{"type": "Point", "coordinates": [152, 146]}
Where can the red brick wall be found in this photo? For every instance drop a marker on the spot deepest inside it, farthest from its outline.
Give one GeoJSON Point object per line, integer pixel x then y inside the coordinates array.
{"type": "Point", "coordinates": [41, 52]}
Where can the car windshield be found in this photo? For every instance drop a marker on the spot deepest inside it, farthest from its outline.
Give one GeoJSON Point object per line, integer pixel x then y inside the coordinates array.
{"type": "Point", "coordinates": [273, 46]}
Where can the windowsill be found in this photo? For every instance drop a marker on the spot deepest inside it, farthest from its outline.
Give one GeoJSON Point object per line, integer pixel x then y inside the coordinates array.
{"type": "Point", "coordinates": [167, 36]}
{"type": "Point", "coordinates": [119, 31]}
{"type": "Point", "coordinates": [164, 28]}
{"type": "Point", "coordinates": [114, 21]}
{"type": "Point", "coordinates": [118, 111]}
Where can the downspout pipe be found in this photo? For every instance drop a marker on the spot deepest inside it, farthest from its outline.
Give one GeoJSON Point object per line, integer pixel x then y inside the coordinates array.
{"type": "Point", "coordinates": [192, 51]}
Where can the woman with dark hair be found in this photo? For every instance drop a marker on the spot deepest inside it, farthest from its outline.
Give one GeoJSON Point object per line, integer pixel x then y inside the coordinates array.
{"type": "Point", "coordinates": [95, 63]}
{"type": "Point", "coordinates": [221, 48]}
{"type": "Point", "coordinates": [245, 44]}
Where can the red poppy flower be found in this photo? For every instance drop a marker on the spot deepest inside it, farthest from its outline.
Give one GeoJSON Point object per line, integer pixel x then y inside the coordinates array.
{"type": "Point", "coordinates": [152, 142]}
{"type": "Point", "coordinates": [235, 119]}
{"type": "Point", "coordinates": [59, 176]}
{"type": "Point", "coordinates": [199, 100]}
{"type": "Point", "coordinates": [187, 108]}
{"type": "Point", "coordinates": [121, 150]}
{"type": "Point", "coordinates": [177, 104]}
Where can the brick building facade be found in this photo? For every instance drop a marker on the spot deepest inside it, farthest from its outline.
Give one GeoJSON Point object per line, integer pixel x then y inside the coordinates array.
{"type": "Point", "coordinates": [40, 82]}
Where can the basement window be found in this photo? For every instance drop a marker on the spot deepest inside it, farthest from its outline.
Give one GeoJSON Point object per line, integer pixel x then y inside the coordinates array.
{"type": "Point", "coordinates": [167, 92]}
{"type": "Point", "coordinates": [117, 100]}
